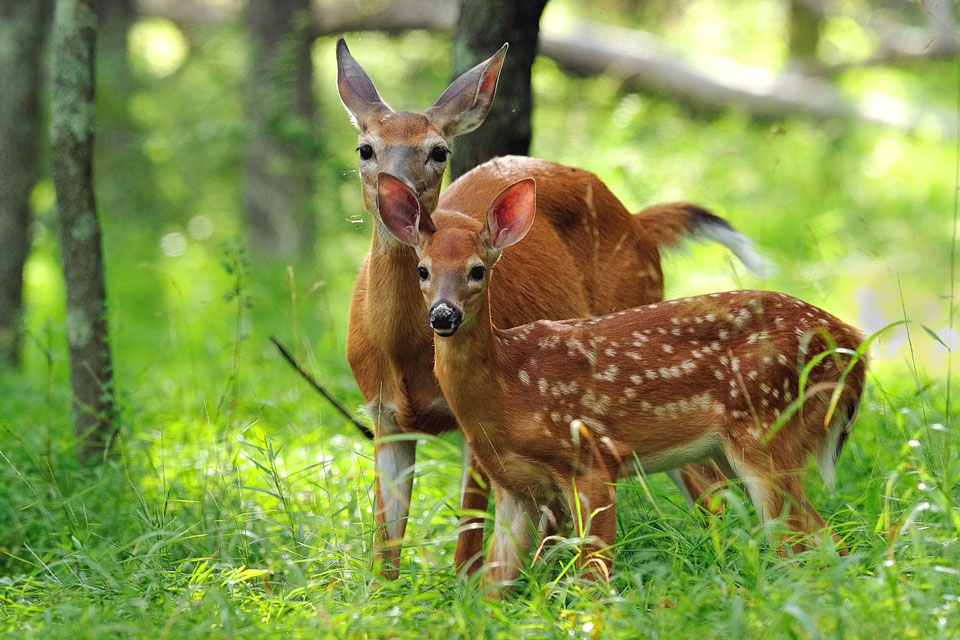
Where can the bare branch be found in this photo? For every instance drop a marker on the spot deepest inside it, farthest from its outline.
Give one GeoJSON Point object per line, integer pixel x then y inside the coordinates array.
{"type": "Point", "coordinates": [643, 60]}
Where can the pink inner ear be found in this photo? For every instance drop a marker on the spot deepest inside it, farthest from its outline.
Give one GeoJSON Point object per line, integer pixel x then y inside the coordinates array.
{"type": "Point", "coordinates": [512, 213]}
{"type": "Point", "coordinates": [399, 209]}
{"type": "Point", "coordinates": [488, 83]}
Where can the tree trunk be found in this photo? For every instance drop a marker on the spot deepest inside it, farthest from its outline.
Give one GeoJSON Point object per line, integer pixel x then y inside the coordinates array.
{"type": "Point", "coordinates": [71, 139]}
{"type": "Point", "coordinates": [23, 26]}
{"type": "Point", "coordinates": [278, 168]}
{"type": "Point", "coordinates": [482, 28]}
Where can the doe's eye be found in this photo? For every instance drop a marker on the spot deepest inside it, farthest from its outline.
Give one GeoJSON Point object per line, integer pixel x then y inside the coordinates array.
{"type": "Point", "coordinates": [439, 153]}
{"type": "Point", "coordinates": [366, 151]}
{"type": "Point", "coordinates": [477, 273]}
{"type": "Point", "coordinates": [424, 274]}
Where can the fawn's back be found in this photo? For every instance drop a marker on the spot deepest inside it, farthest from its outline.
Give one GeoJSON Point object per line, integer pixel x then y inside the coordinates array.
{"type": "Point", "coordinates": [671, 382]}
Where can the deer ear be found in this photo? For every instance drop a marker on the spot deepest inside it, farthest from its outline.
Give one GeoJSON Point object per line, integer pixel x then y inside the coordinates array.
{"type": "Point", "coordinates": [400, 211]}
{"type": "Point", "coordinates": [357, 92]}
{"type": "Point", "coordinates": [511, 214]}
{"type": "Point", "coordinates": [466, 102]}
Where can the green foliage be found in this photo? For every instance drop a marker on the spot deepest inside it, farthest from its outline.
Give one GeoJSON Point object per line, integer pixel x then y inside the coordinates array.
{"type": "Point", "coordinates": [240, 504]}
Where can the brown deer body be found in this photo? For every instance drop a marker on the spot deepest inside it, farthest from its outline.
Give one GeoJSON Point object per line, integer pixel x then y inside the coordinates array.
{"type": "Point", "coordinates": [667, 384]}
{"type": "Point", "coordinates": [587, 255]}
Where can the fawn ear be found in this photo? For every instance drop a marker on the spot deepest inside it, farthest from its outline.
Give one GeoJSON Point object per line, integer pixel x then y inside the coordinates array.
{"type": "Point", "coordinates": [357, 92]}
{"type": "Point", "coordinates": [511, 215]}
{"type": "Point", "coordinates": [466, 102]}
{"type": "Point", "coordinates": [401, 212]}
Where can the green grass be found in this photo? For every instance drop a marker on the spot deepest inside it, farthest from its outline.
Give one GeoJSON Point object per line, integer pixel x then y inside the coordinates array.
{"type": "Point", "coordinates": [240, 504]}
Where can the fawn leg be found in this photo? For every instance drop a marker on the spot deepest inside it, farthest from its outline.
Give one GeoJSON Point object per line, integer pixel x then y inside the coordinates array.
{"type": "Point", "coordinates": [775, 490]}
{"type": "Point", "coordinates": [513, 532]}
{"type": "Point", "coordinates": [802, 517]}
{"type": "Point", "coordinates": [393, 462]}
{"type": "Point", "coordinates": [698, 482]}
{"type": "Point", "coordinates": [597, 524]}
{"type": "Point", "coordinates": [475, 495]}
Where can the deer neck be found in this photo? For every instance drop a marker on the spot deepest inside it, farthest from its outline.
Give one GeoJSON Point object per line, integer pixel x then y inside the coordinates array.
{"type": "Point", "coordinates": [469, 366]}
{"type": "Point", "coordinates": [394, 304]}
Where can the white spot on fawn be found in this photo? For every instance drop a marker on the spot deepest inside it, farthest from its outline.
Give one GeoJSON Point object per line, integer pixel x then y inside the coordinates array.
{"type": "Point", "coordinates": [564, 388]}
{"type": "Point", "coordinates": [524, 377]}
{"type": "Point", "coordinates": [609, 374]}
{"type": "Point", "coordinates": [549, 342]}
{"type": "Point", "coordinates": [576, 346]}
{"type": "Point", "coordinates": [597, 405]}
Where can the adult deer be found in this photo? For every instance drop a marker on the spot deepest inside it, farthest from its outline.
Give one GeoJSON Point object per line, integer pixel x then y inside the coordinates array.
{"type": "Point", "coordinates": [554, 411]}
{"type": "Point", "coordinates": [590, 256]}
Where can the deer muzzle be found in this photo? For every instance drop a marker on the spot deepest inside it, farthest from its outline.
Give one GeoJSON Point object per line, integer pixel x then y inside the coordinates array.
{"type": "Point", "coordinates": [445, 318]}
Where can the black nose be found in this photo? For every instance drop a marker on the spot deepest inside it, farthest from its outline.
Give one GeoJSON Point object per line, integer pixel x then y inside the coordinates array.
{"type": "Point", "coordinates": [445, 318]}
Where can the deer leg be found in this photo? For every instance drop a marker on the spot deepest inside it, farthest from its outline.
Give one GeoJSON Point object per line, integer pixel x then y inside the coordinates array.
{"type": "Point", "coordinates": [699, 482]}
{"type": "Point", "coordinates": [394, 468]}
{"type": "Point", "coordinates": [475, 495]}
{"type": "Point", "coordinates": [775, 490]}
{"type": "Point", "coordinates": [596, 523]}
{"type": "Point", "coordinates": [555, 519]}
{"type": "Point", "coordinates": [514, 522]}
{"type": "Point", "coordinates": [802, 517]}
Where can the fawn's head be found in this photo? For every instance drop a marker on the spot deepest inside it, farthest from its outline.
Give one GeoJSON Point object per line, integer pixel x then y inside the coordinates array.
{"type": "Point", "coordinates": [413, 146]}
{"type": "Point", "coordinates": [455, 260]}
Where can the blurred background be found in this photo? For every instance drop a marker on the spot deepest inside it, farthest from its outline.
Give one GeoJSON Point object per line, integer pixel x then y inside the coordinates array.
{"type": "Point", "coordinates": [229, 201]}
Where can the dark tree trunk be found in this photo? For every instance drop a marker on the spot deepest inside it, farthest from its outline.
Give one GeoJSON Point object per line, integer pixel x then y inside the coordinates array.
{"type": "Point", "coordinates": [804, 31]}
{"type": "Point", "coordinates": [278, 167]}
{"type": "Point", "coordinates": [23, 27]}
{"type": "Point", "coordinates": [71, 139]}
{"type": "Point", "coordinates": [482, 27]}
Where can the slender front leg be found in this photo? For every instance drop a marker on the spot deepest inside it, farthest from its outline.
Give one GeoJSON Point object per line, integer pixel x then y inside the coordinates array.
{"type": "Point", "coordinates": [596, 523]}
{"type": "Point", "coordinates": [475, 494]}
{"type": "Point", "coordinates": [698, 482]}
{"type": "Point", "coordinates": [515, 521]}
{"type": "Point", "coordinates": [394, 466]}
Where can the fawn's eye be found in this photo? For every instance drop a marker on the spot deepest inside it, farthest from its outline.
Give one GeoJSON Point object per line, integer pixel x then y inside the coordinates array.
{"type": "Point", "coordinates": [439, 153]}
{"type": "Point", "coordinates": [424, 274]}
{"type": "Point", "coordinates": [366, 151]}
{"type": "Point", "coordinates": [477, 273]}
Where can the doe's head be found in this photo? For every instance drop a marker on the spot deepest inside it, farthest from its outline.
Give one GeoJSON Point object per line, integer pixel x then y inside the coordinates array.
{"type": "Point", "coordinates": [413, 146]}
{"type": "Point", "coordinates": [456, 258]}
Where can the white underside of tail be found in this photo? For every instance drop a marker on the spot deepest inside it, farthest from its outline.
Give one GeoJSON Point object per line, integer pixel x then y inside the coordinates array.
{"type": "Point", "coordinates": [740, 245]}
